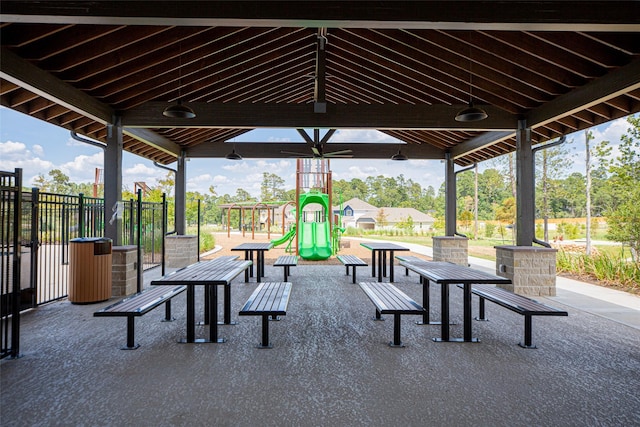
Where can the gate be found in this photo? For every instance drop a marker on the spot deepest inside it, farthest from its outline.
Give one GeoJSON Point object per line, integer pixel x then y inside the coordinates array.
{"type": "Point", "coordinates": [10, 261]}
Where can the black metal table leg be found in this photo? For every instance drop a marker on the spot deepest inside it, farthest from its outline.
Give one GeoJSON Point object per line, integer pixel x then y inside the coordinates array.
{"type": "Point", "coordinates": [384, 263]}
{"type": "Point", "coordinates": [391, 266]}
{"type": "Point", "coordinates": [213, 315]}
{"type": "Point", "coordinates": [380, 264]}
{"type": "Point", "coordinates": [373, 263]}
{"type": "Point", "coordinates": [191, 315]}
{"type": "Point", "coordinates": [227, 305]}
{"type": "Point", "coordinates": [444, 313]}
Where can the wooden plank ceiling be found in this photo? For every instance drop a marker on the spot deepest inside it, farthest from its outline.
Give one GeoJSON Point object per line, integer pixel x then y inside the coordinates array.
{"type": "Point", "coordinates": [404, 68]}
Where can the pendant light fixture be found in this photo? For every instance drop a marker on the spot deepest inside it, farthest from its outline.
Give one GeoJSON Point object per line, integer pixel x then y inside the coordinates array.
{"type": "Point", "coordinates": [471, 113]}
{"type": "Point", "coordinates": [233, 155]}
{"type": "Point", "coordinates": [399, 156]}
{"type": "Point", "coordinates": [178, 110]}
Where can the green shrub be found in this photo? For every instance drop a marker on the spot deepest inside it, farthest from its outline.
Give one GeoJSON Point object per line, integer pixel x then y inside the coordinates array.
{"type": "Point", "coordinates": [611, 269]}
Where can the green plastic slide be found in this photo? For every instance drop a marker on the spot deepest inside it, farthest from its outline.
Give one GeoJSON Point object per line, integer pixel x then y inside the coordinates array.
{"type": "Point", "coordinates": [284, 239]}
{"type": "Point", "coordinates": [314, 238]}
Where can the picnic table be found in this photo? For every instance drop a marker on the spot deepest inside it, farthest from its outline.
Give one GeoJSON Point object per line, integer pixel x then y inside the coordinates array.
{"type": "Point", "coordinates": [382, 251]}
{"type": "Point", "coordinates": [446, 274]}
{"type": "Point", "coordinates": [209, 274]}
{"type": "Point", "coordinates": [249, 249]}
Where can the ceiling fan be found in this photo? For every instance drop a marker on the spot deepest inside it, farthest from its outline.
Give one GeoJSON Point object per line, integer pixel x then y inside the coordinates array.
{"type": "Point", "coordinates": [317, 146]}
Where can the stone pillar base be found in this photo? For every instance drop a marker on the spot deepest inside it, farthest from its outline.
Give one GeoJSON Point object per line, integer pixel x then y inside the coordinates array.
{"type": "Point", "coordinates": [124, 277]}
{"type": "Point", "coordinates": [532, 270]}
{"type": "Point", "coordinates": [451, 249]}
{"type": "Point", "coordinates": [181, 251]}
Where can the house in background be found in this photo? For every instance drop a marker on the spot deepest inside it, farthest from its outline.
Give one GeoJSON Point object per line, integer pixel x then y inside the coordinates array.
{"type": "Point", "coordinates": [360, 214]}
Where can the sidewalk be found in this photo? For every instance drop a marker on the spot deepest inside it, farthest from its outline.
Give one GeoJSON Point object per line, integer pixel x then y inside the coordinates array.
{"type": "Point", "coordinates": [619, 306]}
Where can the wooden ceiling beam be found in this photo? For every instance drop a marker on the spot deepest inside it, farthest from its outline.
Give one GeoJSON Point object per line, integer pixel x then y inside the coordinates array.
{"type": "Point", "coordinates": [271, 150]}
{"type": "Point", "coordinates": [23, 73]}
{"type": "Point", "coordinates": [616, 83]}
{"type": "Point", "coordinates": [522, 15]}
{"type": "Point", "coordinates": [250, 115]}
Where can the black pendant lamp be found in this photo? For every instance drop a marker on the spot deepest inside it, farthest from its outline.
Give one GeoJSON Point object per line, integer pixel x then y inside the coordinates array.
{"type": "Point", "coordinates": [178, 110]}
{"type": "Point", "coordinates": [399, 156]}
{"type": "Point", "coordinates": [471, 113]}
{"type": "Point", "coordinates": [233, 155]}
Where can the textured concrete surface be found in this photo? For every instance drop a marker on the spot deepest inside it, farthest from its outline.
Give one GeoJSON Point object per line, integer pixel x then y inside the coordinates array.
{"type": "Point", "coordinates": [330, 365]}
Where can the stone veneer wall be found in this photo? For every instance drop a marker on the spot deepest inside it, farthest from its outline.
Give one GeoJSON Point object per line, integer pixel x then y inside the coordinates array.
{"type": "Point", "coordinates": [181, 251]}
{"type": "Point", "coordinates": [124, 271]}
{"type": "Point", "coordinates": [532, 270]}
{"type": "Point", "coordinates": [451, 249]}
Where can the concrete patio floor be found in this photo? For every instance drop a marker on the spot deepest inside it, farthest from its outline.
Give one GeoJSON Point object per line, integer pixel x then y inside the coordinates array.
{"type": "Point", "coordinates": [330, 365]}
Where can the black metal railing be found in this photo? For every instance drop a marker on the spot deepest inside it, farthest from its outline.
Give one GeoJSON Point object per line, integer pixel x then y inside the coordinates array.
{"type": "Point", "coordinates": [10, 262]}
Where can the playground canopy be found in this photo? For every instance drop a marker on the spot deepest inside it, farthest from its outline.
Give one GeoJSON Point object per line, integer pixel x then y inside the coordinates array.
{"type": "Point", "coordinates": [404, 68]}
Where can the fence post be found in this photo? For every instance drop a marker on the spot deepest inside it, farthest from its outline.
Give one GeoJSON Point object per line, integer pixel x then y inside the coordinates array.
{"type": "Point", "coordinates": [199, 229]}
{"type": "Point", "coordinates": [15, 303]}
{"type": "Point", "coordinates": [80, 215]}
{"type": "Point", "coordinates": [164, 229]}
{"type": "Point", "coordinates": [139, 237]}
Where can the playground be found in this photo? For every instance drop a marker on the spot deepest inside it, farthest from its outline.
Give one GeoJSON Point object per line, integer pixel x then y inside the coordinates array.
{"type": "Point", "coordinates": [310, 229]}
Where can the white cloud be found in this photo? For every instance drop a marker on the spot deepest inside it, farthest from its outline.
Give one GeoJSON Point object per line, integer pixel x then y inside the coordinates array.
{"type": "Point", "coordinates": [16, 155]}
{"type": "Point", "coordinates": [38, 150]}
{"type": "Point", "coordinates": [363, 135]}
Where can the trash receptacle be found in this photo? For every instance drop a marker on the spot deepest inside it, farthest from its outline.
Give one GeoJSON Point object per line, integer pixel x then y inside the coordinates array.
{"type": "Point", "coordinates": [89, 270]}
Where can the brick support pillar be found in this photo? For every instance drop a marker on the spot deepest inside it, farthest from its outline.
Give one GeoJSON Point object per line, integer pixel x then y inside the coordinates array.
{"type": "Point", "coordinates": [181, 250]}
{"type": "Point", "coordinates": [124, 270]}
{"type": "Point", "coordinates": [532, 270]}
{"type": "Point", "coordinates": [453, 249]}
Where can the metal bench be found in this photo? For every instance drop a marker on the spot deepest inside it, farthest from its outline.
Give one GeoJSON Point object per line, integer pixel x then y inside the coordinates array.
{"type": "Point", "coordinates": [409, 259]}
{"type": "Point", "coordinates": [516, 303]}
{"type": "Point", "coordinates": [351, 261]}
{"type": "Point", "coordinates": [138, 305]}
{"type": "Point", "coordinates": [286, 261]}
{"type": "Point", "coordinates": [269, 299]}
{"type": "Point", "coordinates": [390, 300]}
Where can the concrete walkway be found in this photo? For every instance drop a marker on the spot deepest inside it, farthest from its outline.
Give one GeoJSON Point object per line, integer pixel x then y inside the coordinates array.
{"type": "Point", "coordinates": [330, 366]}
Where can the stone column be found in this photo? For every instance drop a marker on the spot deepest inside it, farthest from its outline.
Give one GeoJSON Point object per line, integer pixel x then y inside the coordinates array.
{"type": "Point", "coordinates": [181, 251]}
{"type": "Point", "coordinates": [532, 270]}
{"type": "Point", "coordinates": [124, 270]}
{"type": "Point", "coordinates": [453, 249]}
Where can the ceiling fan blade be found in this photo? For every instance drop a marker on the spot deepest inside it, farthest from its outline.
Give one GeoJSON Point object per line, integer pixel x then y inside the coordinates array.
{"type": "Point", "coordinates": [296, 154]}
{"type": "Point", "coordinates": [316, 151]}
{"type": "Point", "coordinates": [337, 153]}
{"type": "Point", "coordinates": [338, 156]}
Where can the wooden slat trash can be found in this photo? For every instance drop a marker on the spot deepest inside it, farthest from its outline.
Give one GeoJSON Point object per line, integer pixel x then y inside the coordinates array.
{"type": "Point", "coordinates": [89, 270]}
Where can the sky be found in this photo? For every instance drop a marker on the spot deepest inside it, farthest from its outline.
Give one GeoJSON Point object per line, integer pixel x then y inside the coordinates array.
{"type": "Point", "coordinates": [38, 147]}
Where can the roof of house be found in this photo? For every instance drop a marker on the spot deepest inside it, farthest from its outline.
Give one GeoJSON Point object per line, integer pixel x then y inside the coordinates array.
{"type": "Point", "coordinates": [394, 215]}
{"type": "Point", "coordinates": [358, 205]}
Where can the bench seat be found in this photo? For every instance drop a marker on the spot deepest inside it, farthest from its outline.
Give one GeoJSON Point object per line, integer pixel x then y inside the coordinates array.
{"type": "Point", "coordinates": [390, 300]}
{"type": "Point", "coordinates": [140, 304]}
{"type": "Point", "coordinates": [286, 261]}
{"type": "Point", "coordinates": [269, 299]}
{"type": "Point", "coordinates": [353, 262]}
{"type": "Point", "coordinates": [516, 303]}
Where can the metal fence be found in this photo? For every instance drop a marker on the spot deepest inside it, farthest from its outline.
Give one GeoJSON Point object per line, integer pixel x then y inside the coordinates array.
{"type": "Point", "coordinates": [50, 221]}
{"type": "Point", "coordinates": [10, 261]}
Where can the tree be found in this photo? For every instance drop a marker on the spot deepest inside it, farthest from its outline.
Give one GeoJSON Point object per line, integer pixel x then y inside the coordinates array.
{"type": "Point", "coordinates": [551, 166]}
{"type": "Point", "coordinates": [506, 213]}
{"type": "Point", "coordinates": [587, 137]}
{"type": "Point", "coordinates": [381, 218]}
{"type": "Point", "coordinates": [623, 217]}
{"type": "Point", "coordinates": [272, 187]}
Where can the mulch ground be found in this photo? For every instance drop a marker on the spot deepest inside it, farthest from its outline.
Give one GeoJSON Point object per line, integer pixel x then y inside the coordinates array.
{"type": "Point", "coordinates": [348, 247]}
